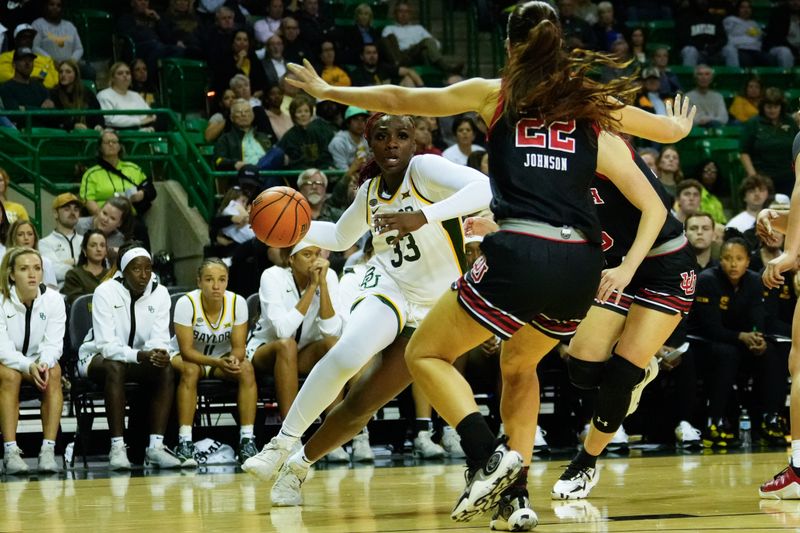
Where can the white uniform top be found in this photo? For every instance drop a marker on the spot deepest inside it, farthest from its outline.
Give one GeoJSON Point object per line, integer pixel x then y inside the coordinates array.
{"type": "Point", "coordinates": [28, 335]}
{"type": "Point", "coordinates": [121, 327]}
{"type": "Point", "coordinates": [425, 262]}
{"type": "Point", "coordinates": [280, 319]}
{"type": "Point", "coordinates": [59, 249]}
{"type": "Point", "coordinates": [210, 338]}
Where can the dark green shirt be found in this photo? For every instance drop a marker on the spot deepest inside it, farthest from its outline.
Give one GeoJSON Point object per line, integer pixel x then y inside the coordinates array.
{"type": "Point", "coordinates": [770, 148]}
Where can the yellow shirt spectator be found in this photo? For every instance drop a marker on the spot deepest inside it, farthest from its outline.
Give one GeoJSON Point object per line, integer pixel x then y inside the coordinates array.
{"type": "Point", "coordinates": [43, 69]}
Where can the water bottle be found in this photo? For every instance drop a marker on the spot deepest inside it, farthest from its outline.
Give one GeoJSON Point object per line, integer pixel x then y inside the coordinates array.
{"type": "Point", "coordinates": [744, 429]}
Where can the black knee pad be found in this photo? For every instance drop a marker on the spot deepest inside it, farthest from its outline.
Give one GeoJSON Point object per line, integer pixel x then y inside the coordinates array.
{"type": "Point", "coordinates": [615, 393]}
{"type": "Point", "coordinates": [585, 375]}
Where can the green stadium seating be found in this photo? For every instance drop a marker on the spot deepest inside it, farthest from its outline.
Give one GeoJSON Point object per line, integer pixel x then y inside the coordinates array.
{"type": "Point", "coordinates": [772, 76]}
{"type": "Point", "coordinates": [432, 76]}
{"type": "Point", "coordinates": [685, 76]}
{"type": "Point", "coordinates": [661, 31]}
{"type": "Point", "coordinates": [729, 78]}
{"type": "Point", "coordinates": [96, 28]}
{"type": "Point", "coordinates": [184, 83]}
{"type": "Point", "coordinates": [725, 152]}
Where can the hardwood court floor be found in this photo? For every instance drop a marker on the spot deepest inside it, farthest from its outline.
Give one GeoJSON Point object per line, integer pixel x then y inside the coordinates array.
{"type": "Point", "coordinates": [675, 493]}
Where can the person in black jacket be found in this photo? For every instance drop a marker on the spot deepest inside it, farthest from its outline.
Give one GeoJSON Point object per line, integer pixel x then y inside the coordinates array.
{"type": "Point", "coordinates": [776, 40]}
{"type": "Point", "coordinates": [240, 59]}
{"type": "Point", "coordinates": [728, 318]}
{"type": "Point", "coordinates": [701, 36]}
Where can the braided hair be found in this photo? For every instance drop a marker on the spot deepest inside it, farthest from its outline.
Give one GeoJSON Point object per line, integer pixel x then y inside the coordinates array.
{"type": "Point", "coordinates": [371, 168]}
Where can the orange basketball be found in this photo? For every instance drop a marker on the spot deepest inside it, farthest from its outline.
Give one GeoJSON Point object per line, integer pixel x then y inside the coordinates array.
{"type": "Point", "coordinates": [280, 217]}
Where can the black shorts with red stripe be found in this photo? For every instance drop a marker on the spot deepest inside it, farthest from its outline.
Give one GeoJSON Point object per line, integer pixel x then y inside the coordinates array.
{"type": "Point", "coordinates": [523, 279]}
{"type": "Point", "coordinates": [663, 283]}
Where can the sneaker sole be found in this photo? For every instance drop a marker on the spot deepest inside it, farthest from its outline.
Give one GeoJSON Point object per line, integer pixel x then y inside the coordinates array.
{"type": "Point", "coordinates": [577, 495]}
{"type": "Point", "coordinates": [520, 520]}
{"type": "Point", "coordinates": [259, 473]}
{"type": "Point", "coordinates": [790, 492]}
{"type": "Point", "coordinates": [189, 463]}
{"type": "Point", "coordinates": [491, 494]}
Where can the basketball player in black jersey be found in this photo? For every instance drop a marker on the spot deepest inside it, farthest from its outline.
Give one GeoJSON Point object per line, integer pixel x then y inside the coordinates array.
{"type": "Point", "coordinates": [544, 114]}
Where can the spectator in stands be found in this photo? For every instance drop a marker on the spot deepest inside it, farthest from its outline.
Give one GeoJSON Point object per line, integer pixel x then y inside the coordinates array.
{"type": "Point", "coordinates": [782, 40]}
{"type": "Point", "coordinates": [58, 38]}
{"type": "Point", "coordinates": [744, 38]}
{"type": "Point", "coordinates": [465, 130]}
{"type": "Point", "coordinates": [180, 26]}
{"type": "Point", "coordinates": [242, 89]}
{"type": "Point", "coordinates": [241, 60]}
{"type": "Point", "coordinates": [91, 268]}
{"type": "Point", "coordinates": [650, 158]}
{"type": "Point", "coordinates": [669, 168]}
{"type": "Point", "coordinates": [411, 44]}
{"type": "Point", "coordinates": [274, 64]}
{"type": "Point", "coordinates": [247, 142]}
{"type": "Point", "coordinates": [649, 98]}
{"type": "Point", "coordinates": [215, 41]}
{"type": "Point", "coordinates": [728, 314]}
{"type": "Point", "coordinates": [638, 43]}
{"type": "Point", "coordinates": [238, 12]}
{"type": "Point", "coordinates": [63, 246]}
{"type": "Point", "coordinates": [711, 111]}
{"type": "Point", "coordinates": [362, 32]}
{"type": "Point", "coordinates": [577, 32]}
{"type": "Point", "coordinates": [588, 11]}
{"type": "Point", "coordinates": [714, 185]}
{"type": "Point", "coordinates": [371, 71]}
{"type": "Point", "coordinates": [112, 176]}
{"type": "Point", "coordinates": [766, 142]}
{"type": "Point", "coordinates": [423, 137]}
{"type": "Point", "coordinates": [315, 25]}
{"type": "Point", "coordinates": [119, 96]}
{"type": "Point", "coordinates": [15, 12]}
{"type": "Point", "coordinates": [129, 340]}
{"type": "Point", "coordinates": [141, 82]}
{"type": "Point", "coordinates": [306, 143]}
{"type": "Point", "coordinates": [299, 322]}
{"type": "Point", "coordinates": [295, 48]}
{"type": "Point", "coordinates": [699, 229]}
{"type": "Point", "coordinates": [329, 70]}
{"type": "Point", "coordinates": [43, 68]}
{"type": "Point", "coordinates": [687, 201]}
{"type": "Point", "coordinates": [71, 93]}
{"type": "Point", "coordinates": [754, 192]}
{"type": "Point", "coordinates": [607, 29]}
{"type": "Point", "coordinates": [22, 92]}
{"type": "Point", "coordinates": [479, 160]}
{"type": "Point", "coordinates": [269, 25]}
{"type": "Point", "coordinates": [141, 26]}
{"type": "Point", "coordinates": [279, 119]}
{"type": "Point", "coordinates": [212, 348]}
{"type": "Point", "coordinates": [12, 211]}
{"type": "Point", "coordinates": [22, 233]}
{"type": "Point", "coordinates": [32, 329]}
{"type": "Point", "coordinates": [670, 85]}
{"type": "Point", "coordinates": [622, 51]}
{"type": "Point", "coordinates": [700, 35]}
{"type": "Point", "coordinates": [312, 183]}
{"type": "Point", "coordinates": [114, 219]}
{"type": "Point", "coordinates": [348, 147]}
{"type": "Point", "coordinates": [745, 105]}
{"type": "Point", "coordinates": [220, 121]}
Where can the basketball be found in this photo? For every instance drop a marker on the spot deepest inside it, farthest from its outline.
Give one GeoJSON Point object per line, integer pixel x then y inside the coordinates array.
{"type": "Point", "coordinates": [280, 217]}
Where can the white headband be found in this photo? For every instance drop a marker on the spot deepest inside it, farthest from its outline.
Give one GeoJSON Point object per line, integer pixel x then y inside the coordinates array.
{"type": "Point", "coordinates": [302, 245]}
{"type": "Point", "coordinates": [132, 254]}
{"type": "Point", "coordinates": [472, 238]}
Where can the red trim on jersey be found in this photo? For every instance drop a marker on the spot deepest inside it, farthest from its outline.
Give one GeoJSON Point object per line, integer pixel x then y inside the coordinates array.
{"type": "Point", "coordinates": [554, 326]}
{"type": "Point", "coordinates": [472, 300]}
{"type": "Point", "coordinates": [602, 176]}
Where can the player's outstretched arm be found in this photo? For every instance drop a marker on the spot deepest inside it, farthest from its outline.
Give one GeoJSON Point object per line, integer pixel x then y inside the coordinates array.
{"type": "Point", "coordinates": [475, 94]}
{"type": "Point", "coordinates": [346, 231]}
{"type": "Point", "coordinates": [659, 128]}
{"type": "Point", "coordinates": [774, 269]}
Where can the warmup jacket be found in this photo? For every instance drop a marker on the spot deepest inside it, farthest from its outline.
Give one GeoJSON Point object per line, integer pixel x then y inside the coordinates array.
{"type": "Point", "coordinates": [122, 327]}
{"type": "Point", "coordinates": [32, 334]}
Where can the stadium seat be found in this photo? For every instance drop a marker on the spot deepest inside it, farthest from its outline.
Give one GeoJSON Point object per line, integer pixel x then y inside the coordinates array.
{"type": "Point", "coordinates": [184, 83]}
{"type": "Point", "coordinates": [725, 152]}
{"type": "Point", "coordinates": [661, 31]}
{"type": "Point", "coordinates": [96, 28]}
{"type": "Point", "coordinates": [772, 76]}
{"type": "Point", "coordinates": [729, 78]}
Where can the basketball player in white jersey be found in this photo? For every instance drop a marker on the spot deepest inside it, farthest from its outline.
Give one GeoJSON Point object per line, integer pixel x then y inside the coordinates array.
{"type": "Point", "coordinates": [209, 342]}
{"type": "Point", "coordinates": [412, 206]}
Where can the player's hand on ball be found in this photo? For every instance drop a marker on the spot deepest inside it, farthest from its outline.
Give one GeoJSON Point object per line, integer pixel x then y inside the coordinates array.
{"type": "Point", "coordinates": [403, 222]}
{"type": "Point", "coordinates": [479, 226]}
{"type": "Point", "coordinates": [613, 279]}
{"type": "Point", "coordinates": [682, 113]}
{"type": "Point", "coordinates": [306, 78]}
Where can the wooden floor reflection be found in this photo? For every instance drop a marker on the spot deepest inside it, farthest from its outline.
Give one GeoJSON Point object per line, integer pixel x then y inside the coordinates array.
{"type": "Point", "coordinates": [676, 493]}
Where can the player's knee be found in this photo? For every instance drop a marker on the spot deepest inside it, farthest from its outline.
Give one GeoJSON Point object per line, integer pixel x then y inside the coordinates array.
{"type": "Point", "coordinates": [115, 372]}
{"type": "Point", "coordinates": [585, 375]}
{"type": "Point", "coordinates": [614, 397]}
{"type": "Point", "coordinates": [286, 347]}
{"type": "Point", "coordinates": [247, 375]}
{"type": "Point", "coordinates": [190, 372]}
{"type": "Point", "coordinates": [164, 376]}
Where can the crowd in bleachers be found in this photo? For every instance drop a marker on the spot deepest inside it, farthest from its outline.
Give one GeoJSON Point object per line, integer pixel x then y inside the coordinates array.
{"type": "Point", "coordinates": [733, 59]}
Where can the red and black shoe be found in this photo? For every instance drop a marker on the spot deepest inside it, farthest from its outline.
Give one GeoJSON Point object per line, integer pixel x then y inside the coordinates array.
{"type": "Point", "coordinates": [784, 486]}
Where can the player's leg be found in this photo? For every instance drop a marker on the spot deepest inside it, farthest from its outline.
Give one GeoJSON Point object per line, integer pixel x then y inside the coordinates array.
{"type": "Point", "coordinates": [372, 326]}
{"type": "Point", "coordinates": [786, 484]}
{"type": "Point", "coordinates": [10, 381]}
{"type": "Point", "coordinates": [247, 401]}
{"type": "Point", "coordinates": [52, 403]}
{"type": "Point", "coordinates": [111, 374]}
{"type": "Point", "coordinates": [424, 447]}
{"type": "Point", "coordinates": [382, 381]}
{"type": "Point", "coordinates": [186, 397]}
{"type": "Point", "coordinates": [279, 358]}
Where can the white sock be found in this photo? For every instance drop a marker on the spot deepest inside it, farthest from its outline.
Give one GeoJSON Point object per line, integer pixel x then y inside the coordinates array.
{"type": "Point", "coordinates": [185, 433]}
{"type": "Point", "coordinates": [156, 441]}
{"type": "Point", "coordinates": [246, 432]}
{"type": "Point", "coordinates": [117, 440]}
{"type": "Point", "coordinates": [46, 443]}
{"type": "Point", "coordinates": [9, 445]}
{"type": "Point", "coordinates": [370, 329]}
{"type": "Point", "coordinates": [299, 457]}
{"type": "Point", "coordinates": [796, 453]}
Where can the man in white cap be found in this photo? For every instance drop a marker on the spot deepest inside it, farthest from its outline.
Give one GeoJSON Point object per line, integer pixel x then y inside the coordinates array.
{"type": "Point", "coordinates": [43, 69]}
{"type": "Point", "coordinates": [63, 245]}
{"type": "Point", "coordinates": [348, 147]}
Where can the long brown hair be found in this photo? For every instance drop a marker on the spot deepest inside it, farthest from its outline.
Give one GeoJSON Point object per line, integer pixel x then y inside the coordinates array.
{"type": "Point", "coordinates": [76, 97]}
{"type": "Point", "coordinates": [545, 81]}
